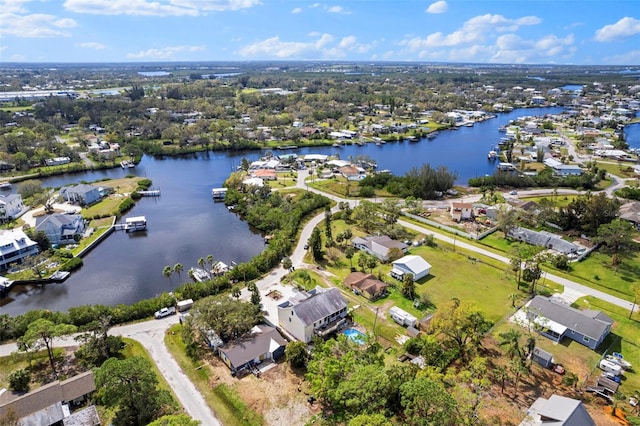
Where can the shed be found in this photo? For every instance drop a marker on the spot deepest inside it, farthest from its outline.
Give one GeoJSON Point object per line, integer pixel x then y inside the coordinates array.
{"type": "Point", "coordinates": [607, 383]}
{"type": "Point", "coordinates": [542, 357]}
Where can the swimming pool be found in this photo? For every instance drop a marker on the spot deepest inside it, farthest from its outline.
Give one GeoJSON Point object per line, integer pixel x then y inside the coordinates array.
{"type": "Point", "coordinates": [355, 336]}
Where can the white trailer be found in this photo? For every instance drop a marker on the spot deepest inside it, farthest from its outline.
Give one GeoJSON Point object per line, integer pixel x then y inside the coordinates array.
{"type": "Point", "coordinates": [402, 317]}
{"type": "Point", "coordinates": [184, 305]}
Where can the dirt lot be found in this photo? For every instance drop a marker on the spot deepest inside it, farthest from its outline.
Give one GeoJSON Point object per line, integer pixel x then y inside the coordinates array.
{"type": "Point", "coordinates": [279, 395]}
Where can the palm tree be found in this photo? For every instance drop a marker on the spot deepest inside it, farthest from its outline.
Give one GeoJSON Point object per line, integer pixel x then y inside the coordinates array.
{"type": "Point", "coordinates": [511, 339]}
{"type": "Point", "coordinates": [178, 268]}
{"type": "Point", "coordinates": [209, 261]}
{"type": "Point", "coordinates": [167, 271]}
{"type": "Point", "coordinates": [192, 275]}
{"type": "Point", "coordinates": [201, 262]}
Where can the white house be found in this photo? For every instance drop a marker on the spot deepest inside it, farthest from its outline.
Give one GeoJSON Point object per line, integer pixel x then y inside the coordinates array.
{"type": "Point", "coordinates": [14, 247]}
{"type": "Point", "coordinates": [411, 264]}
{"type": "Point", "coordinates": [557, 410]}
{"type": "Point", "coordinates": [379, 246]}
{"type": "Point", "coordinates": [317, 312]}
{"type": "Point", "coordinates": [10, 207]}
{"type": "Point", "coordinates": [57, 161]}
{"type": "Point", "coordinates": [461, 211]}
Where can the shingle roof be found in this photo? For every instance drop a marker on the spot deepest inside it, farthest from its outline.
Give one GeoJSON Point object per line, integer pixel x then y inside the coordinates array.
{"type": "Point", "coordinates": [557, 411]}
{"type": "Point", "coordinates": [320, 306]}
{"type": "Point", "coordinates": [265, 339]}
{"type": "Point", "coordinates": [588, 323]}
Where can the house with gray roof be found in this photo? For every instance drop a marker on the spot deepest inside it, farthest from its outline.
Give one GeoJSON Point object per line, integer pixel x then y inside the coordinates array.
{"type": "Point", "coordinates": [557, 411]}
{"type": "Point", "coordinates": [631, 212]}
{"type": "Point", "coordinates": [50, 404]}
{"type": "Point", "coordinates": [378, 246]}
{"type": "Point", "coordinates": [81, 194]}
{"type": "Point", "coordinates": [414, 265]}
{"type": "Point", "coordinates": [318, 312]}
{"type": "Point", "coordinates": [263, 343]}
{"type": "Point", "coordinates": [10, 207]}
{"type": "Point", "coordinates": [61, 228]}
{"type": "Point", "coordinates": [543, 239]}
{"type": "Point", "coordinates": [556, 320]}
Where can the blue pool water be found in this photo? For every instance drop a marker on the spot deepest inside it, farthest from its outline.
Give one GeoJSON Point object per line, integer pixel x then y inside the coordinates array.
{"type": "Point", "coordinates": [355, 335]}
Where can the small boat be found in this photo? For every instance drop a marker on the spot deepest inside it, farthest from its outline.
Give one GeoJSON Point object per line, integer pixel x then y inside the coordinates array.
{"type": "Point", "coordinates": [617, 358]}
{"type": "Point", "coordinates": [492, 155]}
{"type": "Point", "coordinates": [126, 164]}
{"type": "Point", "coordinates": [337, 145]}
{"type": "Point", "coordinates": [5, 185]}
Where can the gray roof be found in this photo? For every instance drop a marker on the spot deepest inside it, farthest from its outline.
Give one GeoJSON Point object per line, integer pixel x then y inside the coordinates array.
{"type": "Point", "coordinates": [557, 411]}
{"type": "Point", "coordinates": [588, 323]}
{"type": "Point", "coordinates": [5, 199]}
{"type": "Point", "coordinates": [542, 354]}
{"type": "Point", "coordinates": [249, 347]}
{"type": "Point", "coordinates": [630, 211]}
{"type": "Point", "coordinates": [543, 239]}
{"type": "Point", "coordinates": [320, 306]}
{"type": "Point", "coordinates": [59, 220]}
{"type": "Point", "coordinates": [81, 188]}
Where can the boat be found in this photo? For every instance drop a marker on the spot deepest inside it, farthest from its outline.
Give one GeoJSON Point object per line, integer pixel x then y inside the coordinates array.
{"type": "Point", "coordinates": [200, 274]}
{"type": "Point", "coordinates": [126, 164]}
{"type": "Point", "coordinates": [617, 358]}
{"type": "Point", "coordinates": [5, 185]}
{"type": "Point", "coordinates": [337, 145]}
{"type": "Point", "coordinates": [492, 155]}
{"type": "Point", "coordinates": [432, 135]}
{"type": "Point", "coordinates": [412, 139]}
{"type": "Point", "coordinates": [137, 223]}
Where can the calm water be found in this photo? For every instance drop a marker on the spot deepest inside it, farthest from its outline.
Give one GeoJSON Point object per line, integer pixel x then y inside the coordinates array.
{"type": "Point", "coordinates": [632, 135]}
{"type": "Point", "coordinates": [184, 224]}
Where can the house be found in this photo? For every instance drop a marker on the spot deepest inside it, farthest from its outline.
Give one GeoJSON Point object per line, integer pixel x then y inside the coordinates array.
{"type": "Point", "coordinates": [265, 174]}
{"type": "Point", "coordinates": [318, 312]}
{"type": "Point", "coordinates": [543, 239]}
{"type": "Point", "coordinates": [556, 320]}
{"type": "Point", "coordinates": [351, 172]}
{"type": "Point", "coordinates": [557, 411]}
{"type": "Point", "coordinates": [50, 404]}
{"type": "Point", "coordinates": [82, 194]}
{"type": "Point", "coordinates": [414, 265]}
{"type": "Point", "coordinates": [629, 212]}
{"type": "Point", "coordinates": [61, 228]}
{"type": "Point", "coordinates": [14, 247]}
{"type": "Point", "coordinates": [378, 246]}
{"type": "Point", "coordinates": [461, 211]}
{"type": "Point", "coordinates": [263, 343]}
{"type": "Point", "coordinates": [10, 207]}
{"type": "Point", "coordinates": [366, 284]}
{"type": "Point", "coordinates": [57, 161]}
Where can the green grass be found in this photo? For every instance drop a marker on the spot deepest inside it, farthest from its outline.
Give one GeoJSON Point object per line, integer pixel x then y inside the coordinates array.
{"type": "Point", "coordinates": [623, 170]}
{"type": "Point", "coordinates": [221, 399]}
{"type": "Point", "coordinates": [559, 200]}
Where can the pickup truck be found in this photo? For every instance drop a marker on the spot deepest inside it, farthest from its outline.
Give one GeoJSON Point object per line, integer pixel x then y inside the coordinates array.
{"type": "Point", "coordinates": [165, 312]}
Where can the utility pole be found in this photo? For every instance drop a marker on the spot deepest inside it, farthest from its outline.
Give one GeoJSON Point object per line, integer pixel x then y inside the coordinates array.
{"type": "Point", "coordinates": [374, 323]}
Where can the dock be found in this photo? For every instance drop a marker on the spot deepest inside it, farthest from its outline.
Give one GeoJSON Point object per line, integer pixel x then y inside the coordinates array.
{"type": "Point", "coordinates": [219, 193]}
{"type": "Point", "coordinates": [137, 223]}
{"type": "Point", "coordinates": [150, 193]}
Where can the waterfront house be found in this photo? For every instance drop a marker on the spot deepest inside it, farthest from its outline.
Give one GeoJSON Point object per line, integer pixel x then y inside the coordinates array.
{"type": "Point", "coordinates": [557, 411]}
{"type": "Point", "coordinates": [366, 284]}
{"type": "Point", "coordinates": [52, 403]}
{"type": "Point", "coordinates": [14, 247]}
{"type": "Point", "coordinates": [414, 265]}
{"type": "Point", "coordinates": [61, 228]}
{"type": "Point", "coordinates": [378, 246]}
{"type": "Point", "coordinates": [57, 161]}
{"type": "Point", "coordinates": [265, 174]}
{"type": "Point", "coordinates": [351, 172]}
{"type": "Point", "coordinates": [10, 207]}
{"type": "Point", "coordinates": [556, 320]}
{"type": "Point", "coordinates": [81, 194]}
{"type": "Point", "coordinates": [461, 211]}
{"type": "Point", "coordinates": [262, 343]}
{"type": "Point", "coordinates": [318, 312]}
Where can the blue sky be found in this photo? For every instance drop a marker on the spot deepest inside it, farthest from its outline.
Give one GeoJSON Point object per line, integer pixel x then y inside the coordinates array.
{"type": "Point", "coordinates": [581, 32]}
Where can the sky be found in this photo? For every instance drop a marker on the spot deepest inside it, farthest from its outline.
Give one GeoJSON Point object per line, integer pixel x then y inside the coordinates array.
{"type": "Point", "coordinates": [574, 32]}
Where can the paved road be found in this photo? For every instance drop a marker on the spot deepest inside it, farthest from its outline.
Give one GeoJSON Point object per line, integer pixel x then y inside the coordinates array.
{"type": "Point", "coordinates": [151, 335]}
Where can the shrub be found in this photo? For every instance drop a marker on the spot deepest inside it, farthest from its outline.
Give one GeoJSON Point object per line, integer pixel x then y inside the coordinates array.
{"type": "Point", "coordinates": [19, 380]}
{"type": "Point", "coordinates": [72, 264]}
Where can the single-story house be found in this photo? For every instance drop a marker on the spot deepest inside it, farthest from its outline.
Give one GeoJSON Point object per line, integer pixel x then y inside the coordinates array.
{"type": "Point", "coordinates": [378, 246]}
{"type": "Point", "coordinates": [265, 174]}
{"type": "Point", "coordinates": [461, 211]}
{"type": "Point", "coordinates": [318, 312]}
{"type": "Point", "coordinates": [10, 207]}
{"type": "Point", "coordinates": [57, 161]}
{"type": "Point", "coordinates": [556, 320]}
{"type": "Point", "coordinates": [82, 194]}
{"type": "Point", "coordinates": [411, 264]}
{"type": "Point", "coordinates": [49, 404]}
{"type": "Point", "coordinates": [61, 228]}
{"type": "Point", "coordinates": [557, 411]}
{"type": "Point", "coordinates": [261, 344]}
{"type": "Point", "coordinates": [631, 212]}
{"type": "Point", "coordinates": [366, 284]}
{"type": "Point", "coordinates": [351, 172]}
{"type": "Point", "coordinates": [254, 181]}
{"type": "Point", "coordinates": [568, 170]}
{"type": "Point", "coordinates": [543, 239]}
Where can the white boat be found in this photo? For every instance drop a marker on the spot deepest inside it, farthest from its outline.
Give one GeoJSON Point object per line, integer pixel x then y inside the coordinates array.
{"type": "Point", "coordinates": [137, 223]}
{"type": "Point", "coordinates": [492, 155]}
{"type": "Point", "coordinates": [5, 185]}
{"type": "Point", "coordinates": [126, 164]}
{"type": "Point", "coordinates": [617, 358]}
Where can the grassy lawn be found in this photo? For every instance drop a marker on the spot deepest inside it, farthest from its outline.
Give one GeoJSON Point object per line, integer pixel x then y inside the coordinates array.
{"type": "Point", "coordinates": [622, 170]}
{"type": "Point", "coordinates": [604, 184]}
{"type": "Point", "coordinates": [558, 200]}
{"type": "Point", "coordinates": [221, 398]}
{"type": "Point", "coordinates": [109, 206]}
{"type": "Point", "coordinates": [338, 186]}
{"type": "Point", "coordinates": [624, 338]}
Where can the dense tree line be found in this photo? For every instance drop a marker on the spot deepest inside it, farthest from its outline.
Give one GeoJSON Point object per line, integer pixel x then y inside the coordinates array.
{"type": "Point", "coordinates": [424, 182]}
{"type": "Point", "coordinates": [545, 178]}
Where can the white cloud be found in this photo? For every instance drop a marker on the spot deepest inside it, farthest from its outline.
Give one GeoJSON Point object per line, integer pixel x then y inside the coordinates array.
{"type": "Point", "coordinates": [93, 45]}
{"type": "Point", "coordinates": [35, 25]}
{"type": "Point", "coordinates": [157, 7]}
{"type": "Point", "coordinates": [338, 9]}
{"type": "Point", "coordinates": [629, 58]}
{"type": "Point", "coordinates": [168, 52]}
{"type": "Point", "coordinates": [216, 5]}
{"type": "Point", "coordinates": [476, 29]}
{"type": "Point", "coordinates": [438, 7]}
{"type": "Point", "coordinates": [12, 6]}
{"type": "Point", "coordinates": [296, 10]}
{"type": "Point", "coordinates": [323, 46]}
{"type": "Point", "coordinates": [624, 28]}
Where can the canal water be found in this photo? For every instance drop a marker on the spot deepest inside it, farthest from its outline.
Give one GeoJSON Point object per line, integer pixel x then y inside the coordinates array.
{"type": "Point", "coordinates": [185, 224]}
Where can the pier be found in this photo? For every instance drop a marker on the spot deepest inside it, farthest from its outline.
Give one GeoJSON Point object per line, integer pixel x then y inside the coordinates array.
{"type": "Point", "coordinates": [219, 193]}
{"type": "Point", "coordinates": [150, 193]}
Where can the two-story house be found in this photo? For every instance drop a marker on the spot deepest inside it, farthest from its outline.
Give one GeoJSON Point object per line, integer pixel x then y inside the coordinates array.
{"type": "Point", "coordinates": [461, 211]}
{"type": "Point", "coordinates": [82, 194]}
{"type": "Point", "coordinates": [61, 228]}
{"type": "Point", "coordinates": [10, 207]}
{"type": "Point", "coordinates": [378, 246]}
{"type": "Point", "coordinates": [14, 247]}
{"type": "Point", "coordinates": [318, 312]}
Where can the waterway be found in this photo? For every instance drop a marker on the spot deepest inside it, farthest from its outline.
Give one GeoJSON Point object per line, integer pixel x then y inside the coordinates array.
{"type": "Point", "coordinates": [184, 223]}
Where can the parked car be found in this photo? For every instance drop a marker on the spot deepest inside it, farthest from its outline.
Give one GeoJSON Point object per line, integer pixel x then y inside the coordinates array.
{"type": "Point", "coordinates": [165, 312]}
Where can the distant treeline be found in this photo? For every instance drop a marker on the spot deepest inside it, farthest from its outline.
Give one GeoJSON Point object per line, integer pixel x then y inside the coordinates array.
{"type": "Point", "coordinates": [546, 178]}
